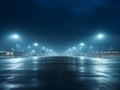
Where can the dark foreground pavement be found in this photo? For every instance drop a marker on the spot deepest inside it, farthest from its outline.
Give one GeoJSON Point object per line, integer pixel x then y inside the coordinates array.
{"type": "Point", "coordinates": [59, 73]}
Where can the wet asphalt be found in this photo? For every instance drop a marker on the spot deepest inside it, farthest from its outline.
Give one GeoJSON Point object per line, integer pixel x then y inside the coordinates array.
{"type": "Point", "coordinates": [59, 73]}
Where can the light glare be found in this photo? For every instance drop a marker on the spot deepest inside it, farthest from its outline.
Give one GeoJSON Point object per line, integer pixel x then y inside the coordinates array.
{"type": "Point", "coordinates": [35, 44]}
{"type": "Point", "coordinates": [82, 44]}
{"type": "Point", "coordinates": [100, 36]}
{"type": "Point", "coordinates": [15, 36]}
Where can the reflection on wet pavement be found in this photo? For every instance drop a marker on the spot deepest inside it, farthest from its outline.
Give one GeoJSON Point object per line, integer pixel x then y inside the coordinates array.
{"type": "Point", "coordinates": [59, 73]}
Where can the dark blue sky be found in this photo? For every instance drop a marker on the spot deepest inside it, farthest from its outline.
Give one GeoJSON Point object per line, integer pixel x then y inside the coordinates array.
{"type": "Point", "coordinates": [59, 22]}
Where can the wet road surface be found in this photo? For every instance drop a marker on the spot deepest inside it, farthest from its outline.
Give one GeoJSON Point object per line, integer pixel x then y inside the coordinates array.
{"type": "Point", "coordinates": [59, 73]}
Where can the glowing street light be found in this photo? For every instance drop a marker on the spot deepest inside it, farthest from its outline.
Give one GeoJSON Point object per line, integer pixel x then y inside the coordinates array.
{"type": "Point", "coordinates": [100, 36]}
{"type": "Point", "coordinates": [82, 44]}
{"type": "Point", "coordinates": [43, 48]}
{"type": "Point", "coordinates": [15, 37]}
{"type": "Point", "coordinates": [33, 51]}
{"type": "Point", "coordinates": [47, 49]}
{"type": "Point", "coordinates": [51, 50]}
{"type": "Point", "coordinates": [74, 48]}
{"type": "Point", "coordinates": [35, 44]}
{"type": "Point", "coordinates": [70, 49]}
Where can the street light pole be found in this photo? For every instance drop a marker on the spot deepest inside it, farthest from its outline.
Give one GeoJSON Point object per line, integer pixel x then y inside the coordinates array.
{"type": "Point", "coordinates": [36, 47]}
{"type": "Point", "coordinates": [82, 45]}
{"type": "Point", "coordinates": [15, 37]}
{"type": "Point", "coordinates": [100, 37]}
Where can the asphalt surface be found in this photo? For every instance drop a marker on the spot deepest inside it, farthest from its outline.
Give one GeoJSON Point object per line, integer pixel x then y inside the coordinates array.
{"type": "Point", "coordinates": [59, 73]}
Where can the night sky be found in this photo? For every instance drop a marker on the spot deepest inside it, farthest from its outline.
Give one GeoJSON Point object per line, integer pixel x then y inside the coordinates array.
{"type": "Point", "coordinates": [59, 23]}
